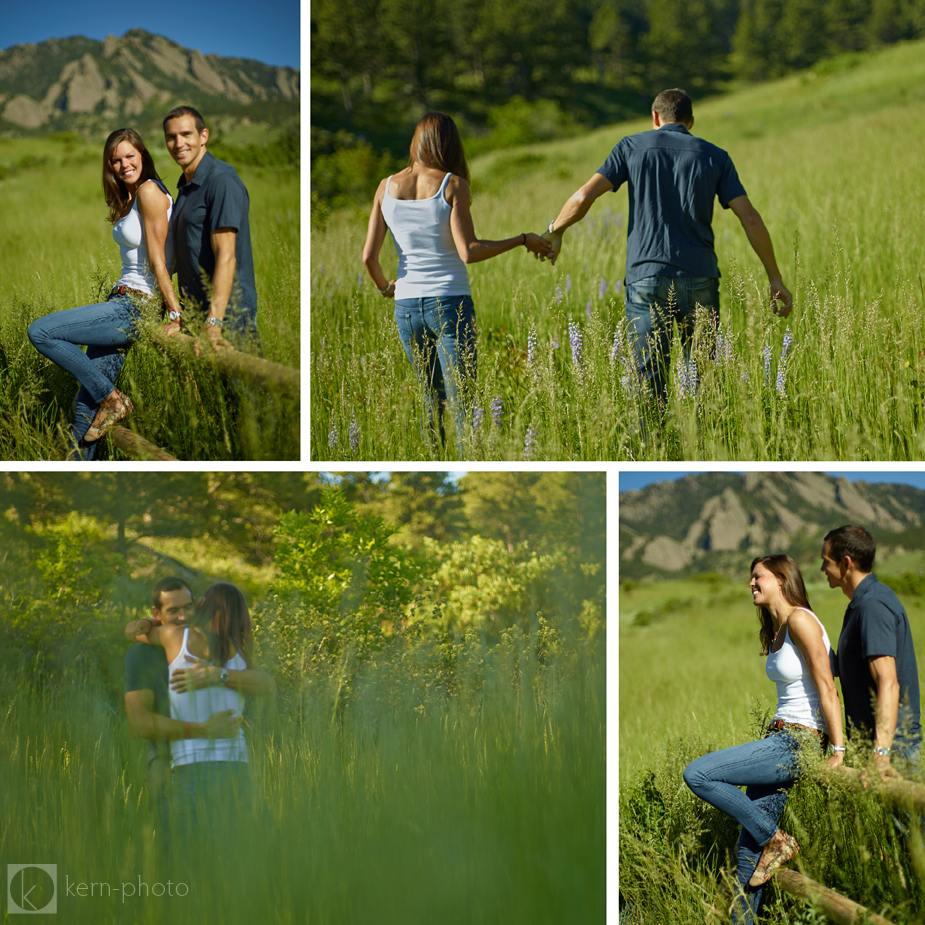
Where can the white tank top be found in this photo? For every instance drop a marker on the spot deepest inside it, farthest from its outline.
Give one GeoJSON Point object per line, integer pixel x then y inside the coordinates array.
{"type": "Point", "coordinates": [197, 706]}
{"type": "Point", "coordinates": [797, 694]}
{"type": "Point", "coordinates": [129, 234]}
{"type": "Point", "coordinates": [428, 262]}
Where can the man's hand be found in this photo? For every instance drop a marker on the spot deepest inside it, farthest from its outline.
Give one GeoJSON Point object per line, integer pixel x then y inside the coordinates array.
{"type": "Point", "coordinates": [171, 328]}
{"type": "Point", "coordinates": [781, 299]}
{"type": "Point", "coordinates": [881, 766]}
{"type": "Point", "coordinates": [202, 674]}
{"type": "Point", "coordinates": [224, 725]}
{"type": "Point", "coordinates": [555, 243]}
{"type": "Point", "coordinates": [836, 760]}
{"type": "Point", "coordinates": [139, 628]}
{"type": "Point", "coordinates": [213, 338]}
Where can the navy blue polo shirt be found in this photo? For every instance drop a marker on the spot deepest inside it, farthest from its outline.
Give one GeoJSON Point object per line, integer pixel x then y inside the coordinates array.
{"type": "Point", "coordinates": [215, 198]}
{"type": "Point", "coordinates": [146, 670]}
{"type": "Point", "coordinates": [673, 178]}
{"type": "Point", "coordinates": [876, 624]}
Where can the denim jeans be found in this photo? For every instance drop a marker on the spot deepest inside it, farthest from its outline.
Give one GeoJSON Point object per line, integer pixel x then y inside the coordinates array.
{"type": "Point", "coordinates": [212, 799]}
{"type": "Point", "coordinates": [438, 335]}
{"type": "Point", "coordinates": [767, 768]}
{"type": "Point", "coordinates": [652, 304]}
{"type": "Point", "coordinates": [107, 330]}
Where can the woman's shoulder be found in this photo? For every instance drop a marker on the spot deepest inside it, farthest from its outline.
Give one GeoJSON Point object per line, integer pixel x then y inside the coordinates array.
{"type": "Point", "coordinates": [151, 193]}
{"type": "Point", "coordinates": [803, 623]}
{"type": "Point", "coordinates": [457, 186]}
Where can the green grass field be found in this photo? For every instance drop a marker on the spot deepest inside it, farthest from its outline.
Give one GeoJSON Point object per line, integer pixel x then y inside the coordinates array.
{"type": "Point", "coordinates": [485, 806]}
{"type": "Point", "coordinates": [691, 681]}
{"type": "Point", "coordinates": [57, 252]}
{"type": "Point", "coordinates": [829, 157]}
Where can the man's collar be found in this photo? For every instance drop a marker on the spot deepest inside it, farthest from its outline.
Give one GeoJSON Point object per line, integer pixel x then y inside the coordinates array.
{"type": "Point", "coordinates": [674, 127]}
{"type": "Point", "coordinates": [203, 169]}
{"type": "Point", "coordinates": [865, 585]}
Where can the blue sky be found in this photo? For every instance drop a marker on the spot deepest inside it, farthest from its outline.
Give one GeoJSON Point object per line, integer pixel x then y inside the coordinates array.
{"type": "Point", "coordinates": [631, 481]}
{"type": "Point", "coordinates": [268, 31]}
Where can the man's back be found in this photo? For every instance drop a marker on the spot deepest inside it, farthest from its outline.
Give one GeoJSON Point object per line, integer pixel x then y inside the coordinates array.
{"type": "Point", "coordinates": [673, 178]}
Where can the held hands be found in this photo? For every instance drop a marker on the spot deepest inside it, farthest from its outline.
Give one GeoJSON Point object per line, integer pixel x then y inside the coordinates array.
{"type": "Point", "coordinates": [171, 328]}
{"type": "Point", "coordinates": [538, 245]}
{"type": "Point", "coordinates": [202, 674]}
{"type": "Point", "coordinates": [554, 238]}
{"type": "Point", "coordinates": [224, 725]}
{"type": "Point", "coordinates": [781, 298]}
{"type": "Point", "coordinates": [214, 339]}
{"type": "Point", "coordinates": [879, 765]}
{"type": "Point", "coordinates": [389, 290]}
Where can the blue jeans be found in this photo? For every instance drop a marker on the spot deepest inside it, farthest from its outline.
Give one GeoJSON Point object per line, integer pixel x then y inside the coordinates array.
{"type": "Point", "coordinates": [212, 799]}
{"type": "Point", "coordinates": [107, 329]}
{"type": "Point", "coordinates": [767, 768]}
{"type": "Point", "coordinates": [438, 335]}
{"type": "Point", "coordinates": [652, 304]}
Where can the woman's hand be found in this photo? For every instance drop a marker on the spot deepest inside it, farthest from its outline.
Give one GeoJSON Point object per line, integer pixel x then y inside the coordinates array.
{"type": "Point", "coordinates": [202, 674]}
{"type": "Point", "coordinates": [389, 290]}
{"type": "Point", "coordinates": [538, 245]}
{"type": "Point", "coordinates": [836, 760]}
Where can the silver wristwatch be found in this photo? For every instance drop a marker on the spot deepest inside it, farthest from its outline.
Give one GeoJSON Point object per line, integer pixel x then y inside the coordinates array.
{"type": "Point", "coordinates": [224, 676]}
{"type": "Point", "coordinates": [174, 316]}
{"type": "Point", "coordinates": [835, 749]}
{"type": "Point", "coordinates": [217, 322]}
{"type": "Point", "coordinates": [549, 229]}
{"type": "Point", "coordinates": [881, 750]}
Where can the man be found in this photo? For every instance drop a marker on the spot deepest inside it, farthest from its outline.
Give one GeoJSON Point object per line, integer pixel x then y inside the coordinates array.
{"type": "Point", "coordinates": [215, 266]}
{"type": "Point", "coordinates": [876, 659]}
{"type": "Point", "coordinates": [671, 265]}
{"type": "Point", "coordinates": [147, 701]}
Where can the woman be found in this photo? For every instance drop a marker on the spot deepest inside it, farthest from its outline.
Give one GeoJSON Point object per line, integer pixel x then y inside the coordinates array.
{"type": "Point", "coordinates": [207, 773]}
{"type": "Point", "coordinates": [797, 649]}
{"type": "Point", "coordinates": [426, 206]}
{"type": "Point", "coordinates": [139, 211]}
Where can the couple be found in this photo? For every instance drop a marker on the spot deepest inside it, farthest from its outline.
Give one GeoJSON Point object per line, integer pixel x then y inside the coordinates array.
{"type": "Point", "coordinates": [673, 178]}
{"type": "Point", "coordinates": [185, 682]}
{"type": "Point", "coordinates": [877, 666]}
{"type": "Point", "coordinates": [205, 235]}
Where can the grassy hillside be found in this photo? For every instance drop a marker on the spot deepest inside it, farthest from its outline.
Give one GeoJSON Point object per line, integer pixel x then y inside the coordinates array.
{"type": "Point", "coordinates": [830, 159]}
{"type": "Point", "coordinates": [57, 252]}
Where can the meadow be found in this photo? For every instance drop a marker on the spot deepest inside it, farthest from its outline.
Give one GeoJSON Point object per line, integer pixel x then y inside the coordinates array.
{"type": "Point", "coordinates": [407, 806]}
{"type": "Point", "coordinates": [57, 252]}
{"type": "Point", "coordinates": [691, 681]}
{"type": "Point", "coordinates": [830, 157]}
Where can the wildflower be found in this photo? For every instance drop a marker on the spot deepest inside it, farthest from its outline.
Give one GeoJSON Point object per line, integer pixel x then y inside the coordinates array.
{"type": "Point", "coordinates": [568, 283]}
{"type": "Point", "coordinates": [354, 435]}
{"type": "Point", "coordinates": [588, 310]}
{"type": "Point", "coordinates": [332, 437]}
{"type": "Point", "coordinates": [359, 280]}
{"type": "Point", "coordinates": [574, 338]}
{"type": "Point", "coordinates": [767, 362]}
{"type": "Point", "coordinates": [477, 416]}
{"type": "Point", "coordinates": [782, 365]}
{"type": "Point", "coordinates": [602, 289]}
{"type": "Point", "coordinates": [531, 347]}
{"type": "Point", "coordinates": [559, 296]}
{"type": "Point", "coordinates": [615, 351]}
{"type": "Point", "coordinates": [617, 285]}
{"type": "Point", "coordinates": [497, 411]}
{"type": "Point", "coordinates": [555, 342]}
{"type": "Point", "coordinates": [530, 442]}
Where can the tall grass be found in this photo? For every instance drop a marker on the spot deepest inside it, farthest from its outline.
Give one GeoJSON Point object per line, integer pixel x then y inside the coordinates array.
{"type": "Point", "coordinates": [57, 252]}
{"type": "Point", "coordinates": [407, 806]}
{"type": "Point", "coordinates": [819, 155]}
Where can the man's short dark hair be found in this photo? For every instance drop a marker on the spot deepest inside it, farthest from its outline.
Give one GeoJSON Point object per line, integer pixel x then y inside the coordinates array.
{"type": "Point", "coordinates": [180, 111]}
{"type": "Point", "coordinates": [673, 106]}
{"type": "Point", "coordinates": [167, 584]}
{"type": "Point", "coordinates": [853, 541]}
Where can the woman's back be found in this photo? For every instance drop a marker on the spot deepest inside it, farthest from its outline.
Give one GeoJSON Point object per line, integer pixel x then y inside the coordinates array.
{"type": "Point", "coordinates": [416, 210]}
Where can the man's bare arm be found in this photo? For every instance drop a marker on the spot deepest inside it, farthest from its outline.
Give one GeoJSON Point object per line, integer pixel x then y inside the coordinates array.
{"type": "Point", "coordinates": [146, 724]}
{"type": "Point", "coordinates": [760, 240]}
{"type": "Point", "coordinates": [223, 246]}
{"type": "Point", "coordinates": [575, 209]}
{"type": "Point", "coordinates": [250, 681]}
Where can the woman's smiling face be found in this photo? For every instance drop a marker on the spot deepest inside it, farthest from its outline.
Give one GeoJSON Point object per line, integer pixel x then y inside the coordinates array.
{"type": "Point", "coordinates": [765, 585]}
{"type": "Point", "coordinates": [126, 163]}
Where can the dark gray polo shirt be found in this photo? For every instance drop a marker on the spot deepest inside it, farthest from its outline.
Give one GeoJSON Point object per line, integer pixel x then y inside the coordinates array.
{"type": "Point", "coordinates": [876, 624]}
{"type": "Point", "coordinates": [146, 669]}
{"type": "Point", "coordinates": [214, 198]}
{"type": "Point", "coordinates": [673, 179]}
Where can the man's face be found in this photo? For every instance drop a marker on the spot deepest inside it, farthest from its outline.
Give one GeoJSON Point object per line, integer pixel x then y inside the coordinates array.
{"type": "Point", "coordinates": [833, 571]}
{"type": "Point", "coordinates": [177, 607]}
{"type": "Point", "coordinates": [185, 144]}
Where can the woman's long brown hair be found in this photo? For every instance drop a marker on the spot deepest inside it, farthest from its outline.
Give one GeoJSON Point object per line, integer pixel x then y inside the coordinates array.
{"type": "Point", "coordinates": [223, 613]}
{"type": "Point", "coordinates": [792, 587]}
{"type": "Point", "coordinates": [436, 143]}
{"type": "Point", "coordinates": [113, 188]}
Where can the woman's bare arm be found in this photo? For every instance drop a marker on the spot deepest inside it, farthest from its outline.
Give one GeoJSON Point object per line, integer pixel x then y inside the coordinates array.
{"type": "Point", "coordinates": [152, 206]}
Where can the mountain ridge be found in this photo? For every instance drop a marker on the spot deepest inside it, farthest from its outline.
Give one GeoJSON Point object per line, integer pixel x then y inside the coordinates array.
{"type": "Point", "coordinates": [81, 85]}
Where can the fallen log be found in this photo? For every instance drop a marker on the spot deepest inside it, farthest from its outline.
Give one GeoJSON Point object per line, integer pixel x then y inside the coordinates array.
{"type": "Point", "coordinates": [834, 906]}
{"type": "Point", "coordinates": [245, 366]}
{"type": "Point", "coordinates": [896, 791]}
{"type": "Point", "coordinates": [136, 445]}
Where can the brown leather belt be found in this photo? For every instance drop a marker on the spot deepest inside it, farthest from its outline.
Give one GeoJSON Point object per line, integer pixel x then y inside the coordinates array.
{"type": "Point", "coordinates": [124, 290]}
{"type": "Point", "coordinates": [780, 724]}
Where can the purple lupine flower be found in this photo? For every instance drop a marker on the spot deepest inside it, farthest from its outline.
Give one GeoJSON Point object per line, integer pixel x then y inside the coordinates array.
{"type": "Point", "coordinates": [767, 362]}
{"type": "Point", "coordinates": [531, 347]}
{"type": "Point", "coordinates": [332, 437]}
{"type": "Point", "coordinates": [782, 365]}
{"type": "Point", "coordinates": [555, 342]}
{"type": "Point", "coordinates": [477, 417]}
{"type": "Point", "coordinates": [683, 384]}
{"type": "Point", "coordinates": [602, 289]}
{"type": "Point", "coordinates": [788, 342]}
{"type": "Point", "coordinates": [615, 351]}
{"type": "Point", "coordinates": [745, 378]}
{"type": "Point", "coordinates": [530, 442]}
{"type": "Point", "coordinates": [568, 283]}
{"type": "Point", "coordinates": [617, 285]}
{"type": "Point", "coordinates": [359, 280]}
{"type": "Point", "coordinates": [692, 379]}
{"type": "Point", "coordinates": [574, 338]}
{"type": "Point", "coordinates": [354, 436]}
{"type": "Point", "coordinates": [497, 411]}
{"type": "Point", "coordinates": [588, 310]}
